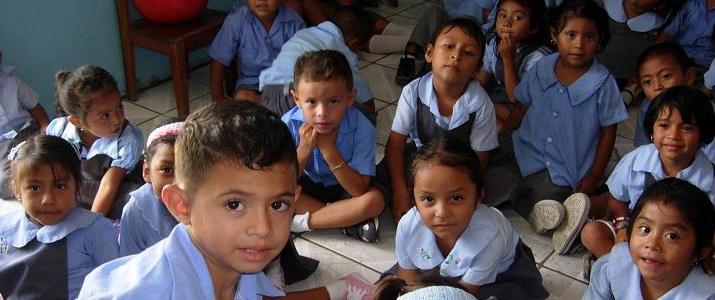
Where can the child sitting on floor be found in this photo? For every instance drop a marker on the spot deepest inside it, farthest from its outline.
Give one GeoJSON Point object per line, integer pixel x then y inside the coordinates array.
{"type": "Point", "coordinates": [445, 101]}
{"type": "Point", "coordinates": [449, 231]}
{"type": "Point", "coordinates": [344, 33]}
{"type": "Point", "coordinates": [145, 218]}
{"type": "Point", "coordinates": [336, 149]}
{"type": "Point", "coordinates": [22, 116]}
{"type": "Point", "coordinates": [110, 147]}
{"type": "Point", "coordinates": [253, 35]}
{"type": "Point", "coordinates": [231, 181]}
{"type": "Point", "coordinates": [668, 241]}
{"type": "Point", "coordinates": [679, 122]}
{"type": "Point", "coordinates": [48, 247]}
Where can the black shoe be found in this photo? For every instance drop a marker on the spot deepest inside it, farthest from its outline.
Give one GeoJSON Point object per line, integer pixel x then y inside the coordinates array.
{"type": "Point", "coordinates": [405, 71]}
{"type": "Point", "coordinates": [295, 266]}
{"type": "Point", "coordinates": [366, 231]}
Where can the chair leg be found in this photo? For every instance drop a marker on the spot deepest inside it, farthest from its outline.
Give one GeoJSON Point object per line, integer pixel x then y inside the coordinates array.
{"type": "Point", "coordinates": [179, 79]}
{"type": "Point", "coordinates": [130, 72]}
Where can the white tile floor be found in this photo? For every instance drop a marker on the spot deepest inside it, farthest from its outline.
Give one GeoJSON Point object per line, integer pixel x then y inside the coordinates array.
{"type": "Point", "coordinates": [339, 255]}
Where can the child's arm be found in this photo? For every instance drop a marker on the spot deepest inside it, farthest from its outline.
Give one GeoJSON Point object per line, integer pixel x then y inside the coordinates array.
{"type": "Point", "coordinates": [353, 182]}
{"type": "Point", "coordinates": [108, 188]}
{"type": "Point", "coordinates": [618, 209]}
{"type": "Point", "coordinates": [39, 114]}
{"type": "Point", "coordinates": [395, 159]}
{"type": "Point", "coordinates": [484, 78]}
{"type": "Point", "coordinates": [308, 139]}
{"type": "Point", "coordinates": [515, 117]}
{"type": "Point", "coordinates": [507, 51]}
{"type": "Point", "coordinates": [607, 138]}
{"type": "Point", "coordinates": [216, 80]}
{"type": "Point", "coordinates": [483, 160]}
{"type": "Point", "coordinates": [471, 288]}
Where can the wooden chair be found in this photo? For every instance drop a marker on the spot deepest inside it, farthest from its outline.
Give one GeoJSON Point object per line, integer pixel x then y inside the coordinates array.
{"type": "Point", "coordinates": [172, 40]}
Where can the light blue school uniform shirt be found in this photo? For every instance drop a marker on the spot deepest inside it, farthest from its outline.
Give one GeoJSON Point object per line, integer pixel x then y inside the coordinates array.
{"type": "Point", "coordinates": [627, 180]}
{"type": "Point", "coordinates": [125, 150]}
{"type": "Point", "coordinates": [474, 9]}
{"type": "Point", "coordinates": [491, 52]}
{"type": "Point", "coordinates": [486, 247]}
{"type": "Point", "coordinates": [483, 136]}
{"type": "Point", "coordinates": [561, 128]}
{"type": "Point", "coordinates": [645, 22]}
{"type": "Point", "coordinates": [145, 221]}
{"type": "Point", "coordinates": [692, 28]}
{"type": "Point", "coordinates": [16, 98]}
{"type": "Point", "coordinates": [709, 76]}
{"type": "Point", "coordinates": [615, 276]}
{"type": "Point", "coordinates": [243, 36]}
{"type": "Point", "coordinates": [91, 240]}
{"type": "Point", "coordinates": [356, 144]}
{"type": "Point", "coordinates": [324, 36]}
{"type": "Point", "coordinates": [171, 269]}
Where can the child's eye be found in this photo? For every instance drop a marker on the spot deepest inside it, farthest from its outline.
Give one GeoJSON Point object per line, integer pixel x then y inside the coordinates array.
{"type": "Point", "coordinates": [666, 76]}
{"type": "Point", "coordinates": [661, 124]}
{"type": "Point", "coordinates": [280, 205]}
{"type": "Point", "coordinates": [334, 101]}
{"type": "Point", "coordinates": [167, 171]}
{"type": "Point", "coordinates": [427, 199]}
{"type": "Point", "coordinates": [645, 83]}
{"type": "Point", "coordinates": [61, 186]}
{"type": "Point", "coordinates": [518, 18]}
{"type": "Point", "coordinates": [671, 236]}
{"type": "Point", "coordinates": [643, 229]}
{"type": "Point", "coordinates": [448, 46]}
{"type": "Point", "coordinates": [689, 128]}
{"type": "Point", "coordinates": [310, 101]}
{"type": "Point", "coordinates": [456, 198]}
{"type": "Point", "coordinates": [235, 205]}
{"type": "Point", "coordinates": [502, 15]}
{"type": "Point", "coordinates": [590, 36]}
{"type": "Point", "coordinates": [33, 187]}
{"type": "Point", "coordinates": [570, 35]}
{"type": "Point", "coordinates": [468, 53]}
{"type": "Point", "coordinates": [104, 116]}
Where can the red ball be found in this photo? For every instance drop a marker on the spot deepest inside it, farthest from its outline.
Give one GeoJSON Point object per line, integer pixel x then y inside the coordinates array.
{"type": "Point", "coordinates": [170, 11]}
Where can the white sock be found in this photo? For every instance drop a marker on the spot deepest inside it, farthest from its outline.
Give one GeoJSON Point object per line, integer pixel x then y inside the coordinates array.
{"type": "Point", "coordinates": [393, 28]}
{"type": "Point", "coordinates": [300, 223]}
{"type": "Point", "coordinates": [336, 289]}
{"type": "Point", "coordinates": [383, 44]}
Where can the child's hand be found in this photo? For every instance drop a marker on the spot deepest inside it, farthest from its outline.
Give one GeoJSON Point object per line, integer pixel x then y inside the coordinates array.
{"type": "Point", "coordinates": [400, 205]}
{"type": "Point", "coordinates": [327, 142]}
{"type": "Point", "coordinates": [507, 48]}
{"type": "Point", "coordinates": [308, 137]}
{"type": "Point", "coordinates": [587, 185]}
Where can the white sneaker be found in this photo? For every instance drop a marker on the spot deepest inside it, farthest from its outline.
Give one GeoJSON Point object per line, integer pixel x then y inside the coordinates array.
{"type": "Point", "coordinates": [577, 206]}
{"type": "Point", "coordinates": [546, 215]}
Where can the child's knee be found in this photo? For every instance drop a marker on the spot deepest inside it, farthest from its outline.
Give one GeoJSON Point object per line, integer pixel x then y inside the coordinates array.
{"type": "Point", "coordinates": [595, 233]}
{"type": "Point", "coordinates": [374, 202]}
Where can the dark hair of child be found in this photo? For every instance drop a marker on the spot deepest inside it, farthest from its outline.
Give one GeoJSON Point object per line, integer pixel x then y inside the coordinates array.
{"type": "Point", "coordinates": [467, 25]}
{"type": "Point", "coordinates": [693, 105]}
{"type": "Point", "coordinates": [239, 133]}
{"type": "Point", "coordinates": [670, 49]}
{"type": "Point", "coordinates": [165, 140]}
{"type": "Point", "coordinates": [586, 9]}
{"type": "Point", "coordinates": [74, 89]}
{"type": "Point", "coordinates": [46, 150]}
{"type": "Point", "coordinates": [537, 23]}
{"type": "Point", "coordinates": [693, 204]}
{"type": "Point", "coordinates": [353, 22]}
{"type": "Point", "coordinates": [323, 65]}
{"type": "Point", "coordinates": [448, 151]}
{"type": "Point", "coordinates": [391, 287]}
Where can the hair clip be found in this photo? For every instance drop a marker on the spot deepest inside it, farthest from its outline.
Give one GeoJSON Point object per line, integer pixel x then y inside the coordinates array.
{"type": "Point", "coordinates": [13, 151]}
{"type": "Point", "coordinates": [172, 129]}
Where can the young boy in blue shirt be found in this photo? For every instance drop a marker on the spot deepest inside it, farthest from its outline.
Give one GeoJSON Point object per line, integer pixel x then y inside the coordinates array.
{"type": "Point", "coordinates": [252, 34]}
{"type": "Point", "coordinates": [345, 33]}
{"type": "Point", "coordinates": [336, 149]}
{"type": "Point", "coordinates": [234, 196]}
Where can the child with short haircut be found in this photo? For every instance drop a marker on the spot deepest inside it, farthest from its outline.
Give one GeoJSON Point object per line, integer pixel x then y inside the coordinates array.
{"type": "Point", "coordinates": [516, 43]}
{"type": "Point", "coordinates": [445, 101]}
{"type": "Point", "coordinates": [253, 34]}
{"type": "Point", "coordinates": [145, 219]}
{"type": "Point", "coordinates": [48, 247]}
{"type": "Point", "coordinates": [451, 232]}
{"type": "Point", "coordinates": [344, 33]}
{"type": "Point", "coordinates": [660, 66]}
{"type": "Point", "coordinates": [668, 242]}
{"type": "Point", "coordinates": [692, 27]}
{"type": "Point", "coordinates": [570, 105]}
{"type": "Point", "coordinates": [336, 149]}
{"type": "Point", "coordinates": [230, 182]}
{"type": "Point", "coordinates": [22, 116]}
{"type": "Point", "coordinates": [679, 122]}
{"type": "Point", "coordinates": [110, 147]}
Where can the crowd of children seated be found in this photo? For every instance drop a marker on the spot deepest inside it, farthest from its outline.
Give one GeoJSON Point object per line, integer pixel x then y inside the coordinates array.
{"type": "Point", "coordinates": [506, 104]}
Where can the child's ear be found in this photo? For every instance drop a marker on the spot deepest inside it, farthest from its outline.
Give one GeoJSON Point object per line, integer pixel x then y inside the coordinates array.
{"type": "Point", "coordinates": [146, 171]}
{"type": "Point", "coordinates": [75, 121]}
{"type": "Point", "coordinates": [293, 94]}
{"type": "Point", "coordinates": [352, 96]}
{"type": "Point", "coordinates": [15, 189]}
{"type": "Point", "coordinates": [177, 202]}
{"type": "Point", "coordinates": [428, 53]}
{"type": "Point", "coordinates": [690, 75]}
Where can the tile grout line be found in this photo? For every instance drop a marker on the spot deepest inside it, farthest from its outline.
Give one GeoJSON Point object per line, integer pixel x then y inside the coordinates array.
{"type": "Point", "coordinates": [340, 254]}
